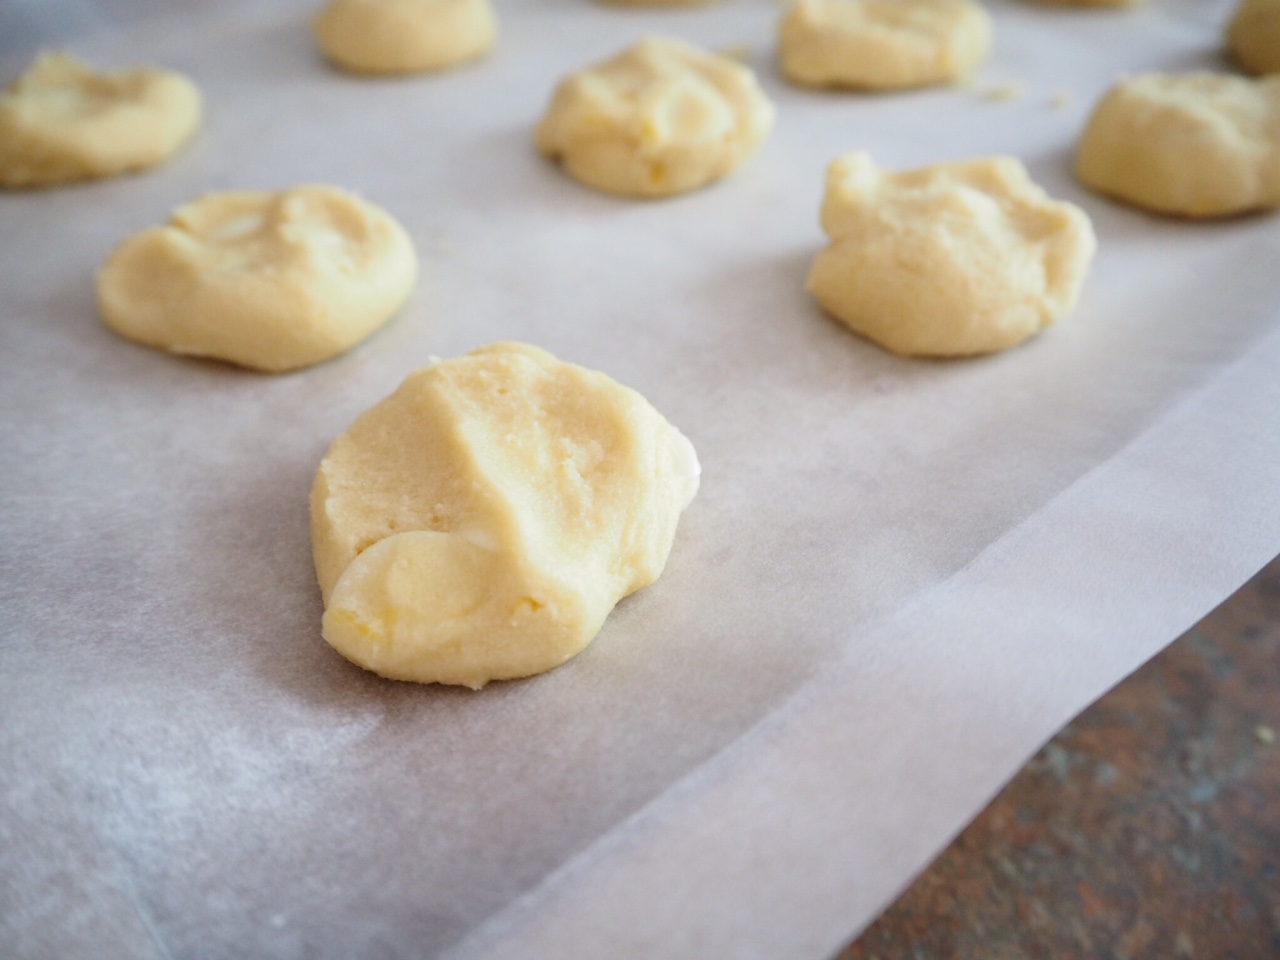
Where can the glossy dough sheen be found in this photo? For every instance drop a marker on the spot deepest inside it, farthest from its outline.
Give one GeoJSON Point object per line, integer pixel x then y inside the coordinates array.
{"type": "Point", "coordinates": [1195, 144]}
{"type": "Point", "coordinates": [882, 44]}
{"type": "Point", "coordinates": [272, 281]}
{"type": "Point", "coordinates": [61, 122]}
{"type": "Point", "coordinates": [480, 523]}
{"type": "Point", "coordinates": [404, 36]}
{"type": "Point", "coordinates": [658, 119]}
{"type": "Point", "coordinates": [949, 260]}
{"type": "Point", "coordinates": [1254, 35]}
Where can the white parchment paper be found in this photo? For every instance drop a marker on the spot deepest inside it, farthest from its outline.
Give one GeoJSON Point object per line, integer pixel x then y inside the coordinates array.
{"type": "Point", "coordinates": [898, 579]}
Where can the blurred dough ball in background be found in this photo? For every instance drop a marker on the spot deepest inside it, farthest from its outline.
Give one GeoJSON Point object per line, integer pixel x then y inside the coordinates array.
{"type": "Point", "coordinates": [1254, 36]}
{"type": "Point", "coordinates": [657, 119]}
{"type": "Point", "coordinates": [61, 121]}
{"type": "Point", "coordinates": [882, 44]}
{"type": "Point", "coordinates": [404, 36]}
{"type": "Point", "coordinates": [1194, 144]}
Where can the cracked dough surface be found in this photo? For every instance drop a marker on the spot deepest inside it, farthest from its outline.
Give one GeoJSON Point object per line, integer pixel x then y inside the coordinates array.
{"type": "Point", "coordinates": [61, 122]}
{"type": "Point", "coordinates": [1254, 35]}
{"type": "Point", "coordinates": [481, 522]}
{"type": "Point", "coordinates": [272, 281]}
{"type": "Point", "coordinates": [882, 44]}
{"type": "Point", "coordinates": [948, 260]}
{"type": "Point", "coordinates": [660, 118]}
{"type": "Point", "coordinates": [1195, 144]}
{"type": "Point", "coordinates": [404, 36]}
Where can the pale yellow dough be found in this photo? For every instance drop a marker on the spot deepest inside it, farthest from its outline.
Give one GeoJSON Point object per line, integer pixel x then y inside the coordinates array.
{"type": "Point", "coordinates": [61, 122]}
{"type": "Point", "coordinates": [481, 522]}
{"type": "Point", "coordinates": [882, 44]}
{"type": "Point", "coordinates": [949, 260]}
{"type": "Point", "coordinates": [658, 119]}
{"type": "Point", "coordinates": [1254, 35]}
{"type": "Point", "coordinates": [1194, 145]}
{"type": "Point", "coordinates": [404, 36]}
{"type": "Point", "coordinates": [272, 281]}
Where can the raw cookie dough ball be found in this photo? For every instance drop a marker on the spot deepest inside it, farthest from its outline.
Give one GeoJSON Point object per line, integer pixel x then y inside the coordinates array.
{"type": "Point", "coordinates": [481, 522]}
{"type": "Point", "coordinates": [272, 281]}
{"type": "Point", "coordinates": [61, 122]}
{"type": "Point", "coordinates": [658, 119]}
{"type": "Point", "coordinates": [882, 44]}
{"type": "Point", "coordinates": [948, 260]}
{"type": "Point", "coordinates": [1254, 35]}
{"type": "Point", "coordinates": [1195, 144]}
{"type": "Point", "coordinates": [404, 36]}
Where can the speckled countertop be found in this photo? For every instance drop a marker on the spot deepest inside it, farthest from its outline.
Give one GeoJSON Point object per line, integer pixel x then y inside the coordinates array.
{"type": "Point", "coordinates": [1148, 828]}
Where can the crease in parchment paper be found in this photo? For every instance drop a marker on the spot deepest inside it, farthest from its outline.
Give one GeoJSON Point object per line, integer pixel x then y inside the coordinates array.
{"type": "Point", "coordinates": [538, 923]}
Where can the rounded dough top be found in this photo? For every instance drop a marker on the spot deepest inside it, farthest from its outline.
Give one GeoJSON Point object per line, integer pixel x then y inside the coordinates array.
{"type": "Point", "coordinates": [272, 281]}
{"type": "Point", "coordinates": [1254, 35]}
{"type": "Point", "coordinates": [482, 521]}
{"type": "Point", "coordinates": [948, 260]}
{"type": "Point", "coordinates": [61, 121]}
{"type": "Point", "coordinates": [1196, 144]}
{"type": "Point", "coordinates": [404, 36]}
{"type": "Point", "coordinates": [660, 118]}
{"type": "Point", "coordinates": [882, 44]}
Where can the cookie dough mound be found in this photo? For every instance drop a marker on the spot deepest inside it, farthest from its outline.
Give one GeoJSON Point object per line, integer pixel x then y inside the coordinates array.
{"type": "Point", "coordinates": [882, 44]}
{"type": "Point", "coordinates": [404, 36]}
{"type": "Point", "coordinates": [658, 119]}
{"type": "Point", "coordinates": [1194, 145]}
{"type": "Point", "coordinates": [272, 281]}
{"type": "Point", "coordinates": [1254, 35]}
{"type": "Point", "coordinates": [949, 260]}
{"type": "Point", "coordinates": [61, 122]}
{"type": "Point", "coordinates": [481, 522]}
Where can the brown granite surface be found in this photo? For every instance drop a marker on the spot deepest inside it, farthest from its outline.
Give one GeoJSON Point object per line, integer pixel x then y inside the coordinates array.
{"type": "Point", "coordinates": [1148, 828]}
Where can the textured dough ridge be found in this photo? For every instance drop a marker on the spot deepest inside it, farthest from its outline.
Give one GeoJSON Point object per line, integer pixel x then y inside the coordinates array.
{"type": "Point", "coordinates": [949, 260]}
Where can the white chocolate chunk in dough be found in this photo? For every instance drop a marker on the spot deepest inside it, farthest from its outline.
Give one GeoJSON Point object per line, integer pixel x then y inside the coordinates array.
{"type": "Point", "coordinates": [481, 522]}
{"type": "Point", "coordinates": [272, 281]}
{"type": "Point", "coordinates": [660, 118]}
{"type": "Point", "coordinates": [1254, 35]}
{"type": "Point", "coordinates": [882, 44]}
{"type": "Point", "coordinates": [1195, 144]}
{"type": "Point", "coordinates": [61, 122]}
{"type": "Point", "coordinates": [404, 36]}
{"type": "Point", "coordinates": [949, 260]}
